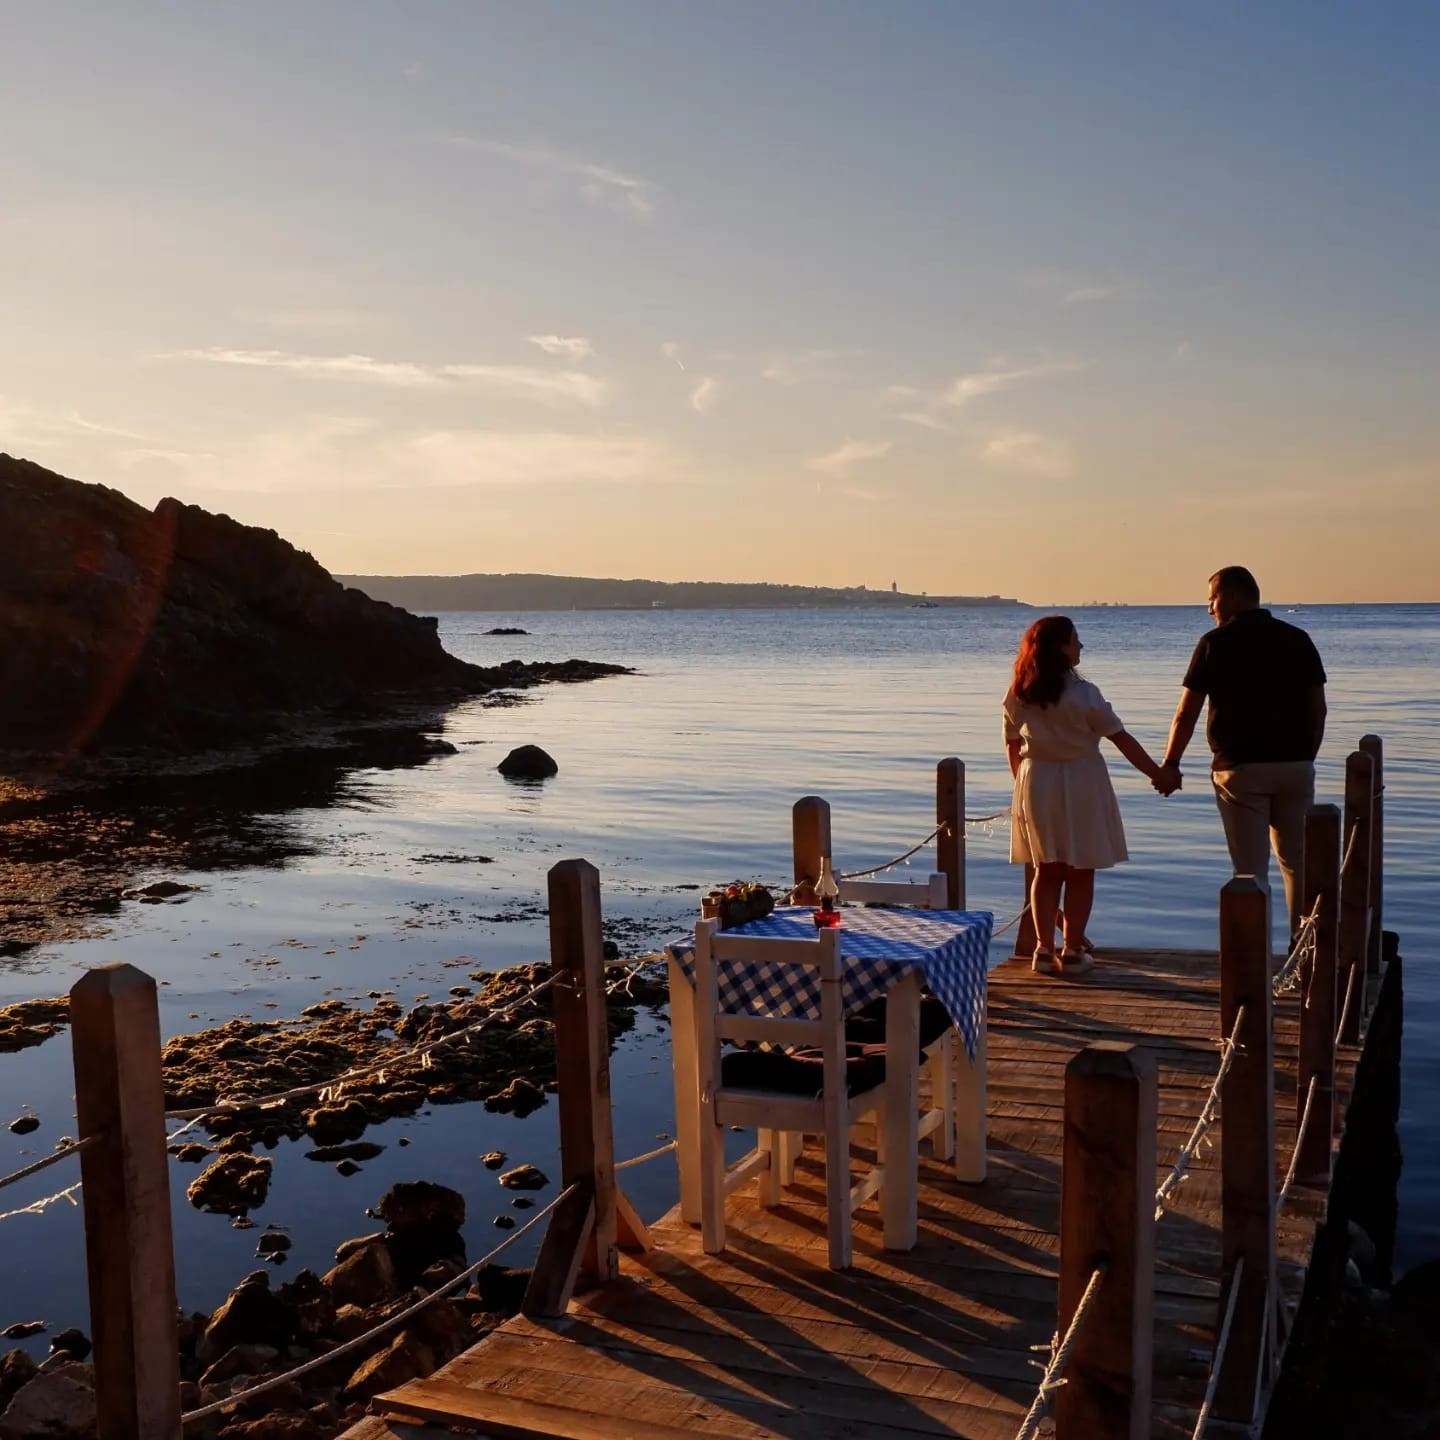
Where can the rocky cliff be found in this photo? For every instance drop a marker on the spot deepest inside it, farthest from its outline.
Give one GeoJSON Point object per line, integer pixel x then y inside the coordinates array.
{"type": "Point", "coordinates": [177, 630]}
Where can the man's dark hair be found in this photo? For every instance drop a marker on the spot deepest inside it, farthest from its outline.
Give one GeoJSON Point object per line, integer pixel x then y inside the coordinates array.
{"type": "Point", "coordinates": [1236, 580]}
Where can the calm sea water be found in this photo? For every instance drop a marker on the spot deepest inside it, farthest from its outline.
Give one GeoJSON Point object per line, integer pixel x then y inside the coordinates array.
{"type": "Point", "coordinates": [684, 774]}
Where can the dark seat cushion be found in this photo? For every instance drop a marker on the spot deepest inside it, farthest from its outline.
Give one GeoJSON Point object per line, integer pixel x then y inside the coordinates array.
{"type": "Point", "coordinates": [867, 1026]}
{"type": "Point", "coordinates": [800, 1072]}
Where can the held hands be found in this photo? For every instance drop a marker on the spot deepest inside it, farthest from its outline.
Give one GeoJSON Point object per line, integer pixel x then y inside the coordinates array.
{"type": "Point", "coordinates": [1168, 780]}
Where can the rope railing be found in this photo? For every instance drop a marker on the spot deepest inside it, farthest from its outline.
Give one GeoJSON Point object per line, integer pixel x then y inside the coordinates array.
{"type": "Point", "coordinates": [1294, 1165]}
{"type": "Point", "coordinates": [39, 1207]}
{"type": "Point", "coordinates": [941, 829]}
{"type": "Point", "coordinates": [361, 1341]}
{"type": "Point", "coordinates": [1010, 924]}
{"type": "Point", "coordinates": [1054, 1376]}
{"type": "Point", "coordinates": [1345, 1007]}
{"type": "Point", "coordinates": [1208, 1111]}
{"type": "Point", "coordinates": [63, 1153]}
{"type": "Point", "coordinates": [331, 1089]}
{"type": "Point", "coordinates": [1222, 1341]}
{"type": "Point", "coordinates": [1287, 977]}
{"type": "Point", "coordinates": [648, 1155]}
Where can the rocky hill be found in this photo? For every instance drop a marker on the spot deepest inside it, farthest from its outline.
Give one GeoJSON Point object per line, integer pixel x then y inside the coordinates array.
{"type": "Point", "coordinates": [176, 630]}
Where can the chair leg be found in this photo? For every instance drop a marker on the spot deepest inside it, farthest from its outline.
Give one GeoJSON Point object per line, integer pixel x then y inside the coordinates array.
{"type": "Point", "coordinates": [792, 1145]}
{"type": "Point", "coordinates": [942, 1097]}
{"type": "Point", "coordinates": [837, 1190]}
{"type": "Point", "coordinates": [712, 1183]}
{"type": "Point", "coordinates": [770, 1175]}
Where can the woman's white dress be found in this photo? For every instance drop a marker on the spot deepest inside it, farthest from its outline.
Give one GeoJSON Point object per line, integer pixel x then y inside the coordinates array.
{"type": "Point", "coordinates": [1064, 808]}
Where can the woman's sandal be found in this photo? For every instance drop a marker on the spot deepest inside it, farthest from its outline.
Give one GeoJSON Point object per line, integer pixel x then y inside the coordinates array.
{"type": "Point", "coordinates": [1075, 963]}
{"type": "Point", "coordinates": [1043, 962]}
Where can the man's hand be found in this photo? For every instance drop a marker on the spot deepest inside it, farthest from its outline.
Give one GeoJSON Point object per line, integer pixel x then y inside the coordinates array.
{"type": "Point", "coordinates": [1169, 780]}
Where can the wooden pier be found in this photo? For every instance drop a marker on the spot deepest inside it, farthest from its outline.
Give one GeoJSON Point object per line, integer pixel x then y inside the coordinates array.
{"type": "Point", "coordinates": [1094, 1089]}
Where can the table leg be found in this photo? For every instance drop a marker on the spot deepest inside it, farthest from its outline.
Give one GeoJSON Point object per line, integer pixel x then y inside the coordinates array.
{"type": "Point", "coordinates": [687, 1091]}
{"type": "Point", "coordinates": [902, 1113]}
{"type": "Point", "coordinates": [970, 1104]}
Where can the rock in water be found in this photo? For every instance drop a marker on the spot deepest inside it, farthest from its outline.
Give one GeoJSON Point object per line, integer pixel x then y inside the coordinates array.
{"type": "Point", "coordinates": [528, 762]}
{"type": "Point", "coordinates": [58, 1403]}
{"type": "Point", "coordinates": [176, 630]}
{"type": "Point", "coordinates": [524, 1177]}
{"type": "Point", "coordinates": [233, 1185]}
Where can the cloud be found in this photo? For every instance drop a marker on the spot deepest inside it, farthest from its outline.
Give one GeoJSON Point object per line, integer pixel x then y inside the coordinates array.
{"type": "Point", "coordinates": [1071, 289]}
{"type": "Point", "coordinates": [852, 452]}
{"type": "Point", "coordinates": [807, 366]}
{"type": "Point", "coordinates": [671, 351]}
{"type": "Point", "coordinates": [704, 396]}
{"type": "Point", "coordinates": [600, 184]}
{"type": "Point", "coordinates": [965, 388]}
{"type": "Point", "coordinates": [1029, 454]}
{"type": "Point", "coordinates": [1091, 294]}
{"type": "Point", "coordinates": [525, 381]}
{"type": "Point", "coordinates": [414, 68]}
{"type": "Point", "coordinates": [922, 418]}
{"type": "Point", "coordinates": [573, 347]}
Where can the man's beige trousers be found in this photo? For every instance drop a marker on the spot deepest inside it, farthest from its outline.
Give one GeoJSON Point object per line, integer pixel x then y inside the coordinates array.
{"type": "Point", "coordinates": [1265, 804]}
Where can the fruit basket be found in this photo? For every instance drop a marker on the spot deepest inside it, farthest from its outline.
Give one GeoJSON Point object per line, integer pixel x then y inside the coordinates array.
{"type": "Point", "coordinates": [737, 904]}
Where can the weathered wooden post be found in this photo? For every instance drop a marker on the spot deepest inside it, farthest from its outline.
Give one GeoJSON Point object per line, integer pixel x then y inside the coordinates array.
{"type": "Point", "coordinates": [1372, 746]}
{"type": "Point", "coordinates": [1318, 1002]}
{"type": "Point", "coordinates": [1107, 1218]}
{"type": "Point", "coordinates": [950, 817]}
{"type": "Point", "coordinates": [129, 1252]}
{"type": "Point", "coordinates": [810, 833]}
{"type": "Point", "coordinates": [1355, 890]}
{"type": "Point", "coordinates": [1025, 937]}
{"type": "Point", "coordinates": [582, 1233]}
{"type": "Point", "coordinates": [1247, 1148]}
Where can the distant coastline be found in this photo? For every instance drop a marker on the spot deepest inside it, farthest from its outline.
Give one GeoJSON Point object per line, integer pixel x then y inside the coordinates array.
{"type": "Point", "coordinates": [429, 593]}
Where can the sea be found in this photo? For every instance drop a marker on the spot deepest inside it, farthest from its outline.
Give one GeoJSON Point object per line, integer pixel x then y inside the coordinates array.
{"type": "Point", "coordinates": [407, 879]}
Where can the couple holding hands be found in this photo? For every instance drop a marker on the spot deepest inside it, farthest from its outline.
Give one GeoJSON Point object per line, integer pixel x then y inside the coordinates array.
{"type": "Point", "coordinates": [1265, 685]}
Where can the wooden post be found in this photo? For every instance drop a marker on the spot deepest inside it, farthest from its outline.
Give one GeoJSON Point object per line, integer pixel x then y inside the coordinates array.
{"type": "Point", "coordinates": [580, 1235]}
{"type": "Point", "coordinates": [1247, 1148]}
{"type": "Point", "coordinates": [810, 832]}
{"type": "Point", "coordinates": [1317, 985]}
{"type": "Point", "coordinates": [1025, 931]}
{"type": "Point", "coordinates": [1372, 746]}
{"type": "Point", "coordinates": [1355, 887]}
{"type": "Point", "coordinates": [950, 842]}
{"type": "Point", "coordinates": [1107, 1216]}
{"type": "Point", "coordinates": [129, 1252]}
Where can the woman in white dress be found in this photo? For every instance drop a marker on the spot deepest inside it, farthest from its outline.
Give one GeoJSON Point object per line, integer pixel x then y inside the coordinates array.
{"type": "Point", "coordinates": [1064, 819]}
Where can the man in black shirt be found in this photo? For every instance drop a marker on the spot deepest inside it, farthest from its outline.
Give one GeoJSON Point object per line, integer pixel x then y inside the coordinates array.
{"type": "Point", "coordinates": [1266, 688]}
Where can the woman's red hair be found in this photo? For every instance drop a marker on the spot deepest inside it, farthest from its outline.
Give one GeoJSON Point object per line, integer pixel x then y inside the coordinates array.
{"type": "Point", "coordinates": [1041, 668]}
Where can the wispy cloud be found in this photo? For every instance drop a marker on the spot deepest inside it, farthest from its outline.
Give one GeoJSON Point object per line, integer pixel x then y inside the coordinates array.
{"type": "Point", "coordinates": [704, 396]}
{"type": "Point", "coordinates": [671, 351]}
{"type": "Point", "coordinates": [852, 452]}
{"type": "Point", "coordinates": [801, 367]}
{"type": "Point", "coordinates": [922, 418]}
{"type": "Point", "coordinates": [526, 381]}
{"type": "Point", "coordinates": [1070, 289]}
{"type": "Point", "coordinates": [573, 347]}
{"type": "Point", "coordinates": [930, 409]}
{"type": "Point", "coordinates": [600, 184]}
{"type": "Point", "coordinates": [304, 317]}
{"type": "Point", "coordinates": [1029, 454]}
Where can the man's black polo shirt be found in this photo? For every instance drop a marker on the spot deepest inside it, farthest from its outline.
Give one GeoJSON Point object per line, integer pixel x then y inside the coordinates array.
{"type": "Point", "coordinates": [1258, 672]}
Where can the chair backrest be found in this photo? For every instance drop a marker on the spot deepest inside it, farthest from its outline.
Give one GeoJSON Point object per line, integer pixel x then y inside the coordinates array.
{"type": "Point", "coordinates": [715, 1024]}
{"type": "Point", "coordinates": [928, 892]}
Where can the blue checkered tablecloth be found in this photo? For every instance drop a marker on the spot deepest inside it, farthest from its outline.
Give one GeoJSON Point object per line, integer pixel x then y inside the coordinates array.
{"type": "Point", "coordinates": [949, 947]}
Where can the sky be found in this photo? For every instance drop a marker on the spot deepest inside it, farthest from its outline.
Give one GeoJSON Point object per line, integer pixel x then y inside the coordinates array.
{"type": "Point", "coordinates": [1065, 302]}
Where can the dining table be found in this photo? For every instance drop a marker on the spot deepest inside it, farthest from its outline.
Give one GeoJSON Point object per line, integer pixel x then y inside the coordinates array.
{"type": "Point", "coordinates": [889, 952]}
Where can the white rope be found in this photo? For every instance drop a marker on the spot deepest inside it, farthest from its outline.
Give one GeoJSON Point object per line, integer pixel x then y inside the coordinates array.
{"type": "Point", "coordinates": [1349, 846]}
{"type": "Point", "coordinates": [942, 828]}
{"type": "Point", "coordinates": [1053, 1378]}
{"type": "Point", "coordinates": [988, 819]}
{"type": "Point", "coordinates": [648, 1155]}
{"type": "Point", "coordinates": [38, 1207]}
{"type": "Point", "coordinates": [1287, 978]}
{"type": "Point", "coordinates": [331, 1089]}
{"type": "Point", "coordinates": [1295, 1154]}
{"type": "Point", "coordinates": [361, 1341]}
{"type": "Point", "coordinates": [632, 969]}
{"type": "Point", "coordinates": [1012, 921]}
{"type": "Point", "coordinates": [1208, 1112]}
{"type": "Point", "coordinates": [61, 1154]}
{"type": "Point", "coordinates": [1222, 1340]}
{"type": "Point", "coordinates": [1345, 1008]}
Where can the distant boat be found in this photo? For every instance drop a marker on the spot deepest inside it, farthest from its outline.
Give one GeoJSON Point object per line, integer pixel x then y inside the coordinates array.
{"type": "Point", "coordinates": [923, 605]}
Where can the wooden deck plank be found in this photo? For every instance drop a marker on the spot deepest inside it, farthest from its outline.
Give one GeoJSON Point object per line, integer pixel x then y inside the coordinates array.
{"type": "Point", "coordinates": [765, 1341]}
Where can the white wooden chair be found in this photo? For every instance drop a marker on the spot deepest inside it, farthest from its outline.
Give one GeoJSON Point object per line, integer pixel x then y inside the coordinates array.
{"type": "Point", "coordinates": [937, 1034]}
{"type": "Point", "coordinates": [775, 1092]}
